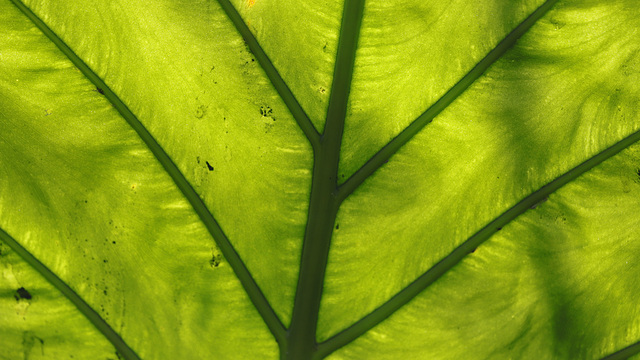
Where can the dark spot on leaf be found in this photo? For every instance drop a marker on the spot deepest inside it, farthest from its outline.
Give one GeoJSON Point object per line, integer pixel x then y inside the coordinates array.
{"type": "Point", "coordinates": [337, 226]}
{"type": "Point", "coordinates": [638, 172]}
{"type": "Point", "coordinates": [209, 166]}
{"type": "Point", "coordinates": [100, 90]}
{"type": "Point", "coordinates": [22, 293]}
{"type": "Point", "coordinates": [201, 111]}
{"type": "Point", "coordinates": [474, 250]}
{"type": "Point", "coordinates": [557, 24]}
{"type": "Point", "coordinates": [113, 242]}
{"type": "Point", "coordinates": [265, 111]}
{"type": "Point", "coordinates": [498, 229]}
{"type": "Point", "coordinates": [215, 260]}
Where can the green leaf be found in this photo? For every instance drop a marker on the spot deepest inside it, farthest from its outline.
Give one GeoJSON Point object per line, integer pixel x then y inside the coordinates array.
{"type": "Point", "coordinates": [351, 180]}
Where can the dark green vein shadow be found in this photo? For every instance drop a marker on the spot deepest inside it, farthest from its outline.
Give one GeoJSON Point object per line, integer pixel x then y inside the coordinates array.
{"type": "Point", "coordinates": [625, 353]}
{"type": "Point", "coordinates": [281, 87]}
{"type": "Point", "coordinates": [323, 204]}
{"type": "Point", "coordinates": [355, 180]}
{"type": "Point", "coordinates": [448, 262]}
{"type": "Point", "coordinates": [123, 349]}
{"type": "Point", "coordinates": [255, 294]}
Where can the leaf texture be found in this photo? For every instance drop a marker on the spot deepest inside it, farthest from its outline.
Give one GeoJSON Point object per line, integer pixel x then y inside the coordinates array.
{"type": "Point", "coordinates": [360, 179]}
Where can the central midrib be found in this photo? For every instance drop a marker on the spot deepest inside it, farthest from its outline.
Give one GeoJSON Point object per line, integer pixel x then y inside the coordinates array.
{"type": "Point", "coordinates": [324, 203]}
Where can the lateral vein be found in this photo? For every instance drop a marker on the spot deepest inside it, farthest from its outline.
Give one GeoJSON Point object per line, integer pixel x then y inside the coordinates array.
{"type": "Point", "coordinates": [381, 157]}
{"type": "Point", "coordinates": [448, 262]}
{"type": "Point", "coordinates": [251, 287]}
{"type": "Point", "coordinates": [281, 87]}
{"type": "Point", "coordinates": [100, 324]}
{"type": "Point", "coordinates": [625, 353]}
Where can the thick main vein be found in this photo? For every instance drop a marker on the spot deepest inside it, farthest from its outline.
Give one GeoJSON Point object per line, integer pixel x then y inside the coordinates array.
{"type": "Point", "coordinates": [409, 132]}
{"type": "Point", "coordinates": [323, 204]}
{"type": "Point", "coordinates": [278, 83]}
{"type": "Point", "coordinates": [439, 269]}
{"type": "Point", "coordinates": [100, 324]}
{"type": "Point", "coordinates": [255, 294]}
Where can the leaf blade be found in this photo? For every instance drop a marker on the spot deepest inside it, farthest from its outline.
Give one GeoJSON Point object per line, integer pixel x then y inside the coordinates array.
{"type": "Point", "coordinates": [573, 257]}
{"type": "Point", "coordinates": [95, 319]}
{"type": "Point", "coordinates": [382, 156]}
{"type": "Point", "coordinates": [412, 53]}
{"type": "Point", "coordinates": [230, 254]}
{"type": "Point", "coordinates": [287, 96]}
{"type": "Point", "coordinates": [407, 294]}
{"type": "Point", "coordinates": [541, 110]}
{"type": "Point", "coordinates": [110, 221]}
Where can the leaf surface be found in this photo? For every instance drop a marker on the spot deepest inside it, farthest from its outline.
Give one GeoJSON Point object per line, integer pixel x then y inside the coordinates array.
{"type": "Point", "coordinates": [367, 179]}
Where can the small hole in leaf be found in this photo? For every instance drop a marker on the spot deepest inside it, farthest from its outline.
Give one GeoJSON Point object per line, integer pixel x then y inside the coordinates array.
{"type": "Point", "coordinates": [209, 166]}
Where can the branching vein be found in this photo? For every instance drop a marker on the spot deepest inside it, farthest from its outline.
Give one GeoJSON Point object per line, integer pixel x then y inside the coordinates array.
{"type": "Point", "coordinates": [438, 270]}
{"type": "Point", "coordinates": [409, 132]}
{"type": "Point", "coordinates": [323, 205]}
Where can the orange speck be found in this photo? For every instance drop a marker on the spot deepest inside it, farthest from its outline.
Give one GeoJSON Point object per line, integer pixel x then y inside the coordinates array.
{"type": "Point", "coordinates": [251, 2]}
